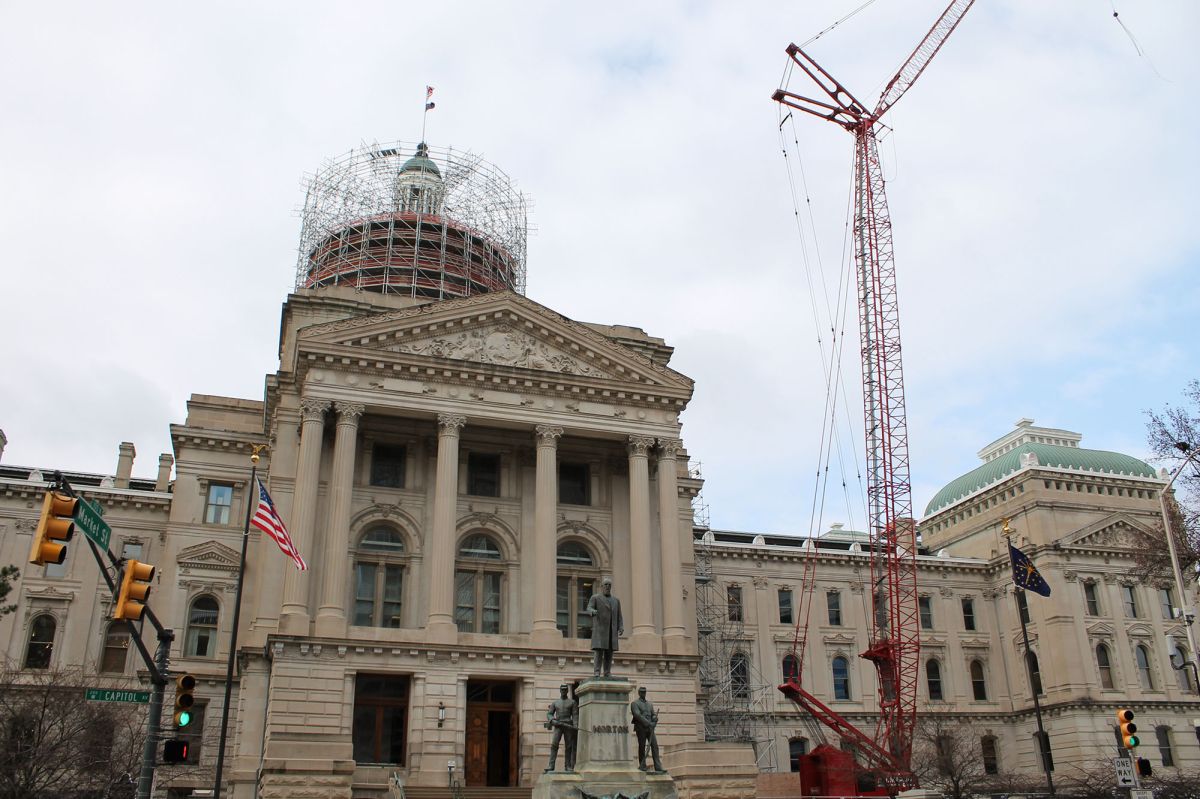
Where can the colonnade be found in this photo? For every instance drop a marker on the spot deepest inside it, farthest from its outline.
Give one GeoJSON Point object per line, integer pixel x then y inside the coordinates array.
{"type": "Point", "coordinates": [440, 626]}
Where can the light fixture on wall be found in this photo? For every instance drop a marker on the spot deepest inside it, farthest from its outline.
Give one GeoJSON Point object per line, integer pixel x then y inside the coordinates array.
{"type": "Point", "coordinates": [441, 714]}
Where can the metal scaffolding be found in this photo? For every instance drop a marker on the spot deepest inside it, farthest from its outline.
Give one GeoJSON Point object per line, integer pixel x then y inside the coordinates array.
{"type": "Point", "coordinates": [411, 219]}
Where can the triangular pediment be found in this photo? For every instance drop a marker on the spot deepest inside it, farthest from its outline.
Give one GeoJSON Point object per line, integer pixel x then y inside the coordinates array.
{"type": "Point", "coordinates": [1115, 531]}
{"type": "Point", "coordinates": [493, 332]}
{"type": "Point", "coordinates": [210, 555]}
{"type": "Point", "coordinates": [1101, 629]}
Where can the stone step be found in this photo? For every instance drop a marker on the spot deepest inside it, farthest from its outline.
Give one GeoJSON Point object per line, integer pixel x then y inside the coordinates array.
{"type": "Point", "coordinates": [473, 792]}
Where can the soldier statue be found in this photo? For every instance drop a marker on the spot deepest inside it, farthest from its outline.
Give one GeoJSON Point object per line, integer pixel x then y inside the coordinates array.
{"type": "Point", "coordinates": [607, 627]}
{"type": "Point", "coordinates": [645, 719]}
{"type": "Point", "coordinates": [563, 718]}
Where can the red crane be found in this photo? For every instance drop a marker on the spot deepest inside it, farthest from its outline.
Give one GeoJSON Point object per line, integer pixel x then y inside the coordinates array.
{"type": "Point", "coordinates": [895, 631]}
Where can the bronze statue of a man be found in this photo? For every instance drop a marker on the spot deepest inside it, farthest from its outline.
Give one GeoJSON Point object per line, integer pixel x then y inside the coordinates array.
{"type": "Point", "coordinates": [607, 627]}
{"type": "Point", "coordinates": [645, 719]}
{"type": "Point", "coordinates": [563, 718]}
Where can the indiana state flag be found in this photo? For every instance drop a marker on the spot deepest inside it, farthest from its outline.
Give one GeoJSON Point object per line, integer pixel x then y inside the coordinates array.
{"type": "Point", "coordinates": [1025, 574]}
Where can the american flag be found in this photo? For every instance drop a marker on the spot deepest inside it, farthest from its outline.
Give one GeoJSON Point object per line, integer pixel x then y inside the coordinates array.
{"type": "Point", "coordinates": [428, 92]}
{"type": "Point", "coordinates": [266, 518]}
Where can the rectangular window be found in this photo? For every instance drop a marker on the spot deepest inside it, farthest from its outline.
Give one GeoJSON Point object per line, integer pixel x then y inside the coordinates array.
{"type": "Point", "coordinates": [387, 465]}
{"type": "Point", "coordinates": [483, 474]}
{"type": "Point", "coordinates": [785, 606]}
{"type": "Point", "coordinates": [925, 604]}
{"type": "Point", "coordinates": [131, 550]}
{"type": "Point", "coordinates": [574, 484]}
{"type": "Point", "coordinates": [1167, 601]}
{"type": "Point", "coordinates": [380, 718]}
{"type": "Point", "coordinates": [968, 608]}
{"type": "Point", "coordinates": [833, 602]}
{"type": "Point", "coordinates": [991, 758]}
{"type": "Point", "coordinates": [733, 596]}
{"type": "Point", "coordinates": [219, 504]}
{"type": "Point", "coordinates": [1163, 734]}
{"type": "Point", "coordinates": [571, 596]}
{"type": "Point", "coordinates": [477, 601]}
{"type": "Point", "coordinates": [1091, 599]}
{"type": "Point", "coordinates": [1130, 600]}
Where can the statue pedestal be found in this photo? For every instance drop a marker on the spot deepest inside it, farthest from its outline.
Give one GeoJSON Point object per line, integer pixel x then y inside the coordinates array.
{"type": "Point", "coordinates": [606, 753]}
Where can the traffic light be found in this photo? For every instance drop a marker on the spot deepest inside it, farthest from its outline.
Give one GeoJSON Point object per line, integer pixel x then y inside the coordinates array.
{"type": "Point", "coordinates": [55, 525]}
{"type": "Point", "coordinates": [185, 685]}
{"type": "Point", "coordinates": [1129, 737]}
{"type": "Point", "coordinates": [135, 587]}
{"type": "Point", "coordinates": [1144, 769]}
{"type": "Point", "coordinates": [175, 750]}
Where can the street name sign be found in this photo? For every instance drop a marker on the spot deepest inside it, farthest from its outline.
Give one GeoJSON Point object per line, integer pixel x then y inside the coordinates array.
{"type": "Point", "coordinates": [88, 517]}
{"type": "Point", "coordinates": [1141, 793]}
{"type": "Point", "coordinates": [113, 695]}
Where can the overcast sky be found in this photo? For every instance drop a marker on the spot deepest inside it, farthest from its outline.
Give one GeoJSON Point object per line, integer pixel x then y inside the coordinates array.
{"type": "Point", "coordinates": [1041, 182]}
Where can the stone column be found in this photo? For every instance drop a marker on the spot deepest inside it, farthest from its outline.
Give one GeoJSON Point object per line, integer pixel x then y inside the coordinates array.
{"type": "Point", "coordinates": [293, 618]}
{"type": "Point", "coordinates": [674, 630]}
{"type": "Point", "coordinates": [440, 627]}
{"type": "Point", "coordinates": [545, 496]}
{"type": "Point", "coordinates": [331, 617]}
{"type": "Point", "coordinates": [642, 603]}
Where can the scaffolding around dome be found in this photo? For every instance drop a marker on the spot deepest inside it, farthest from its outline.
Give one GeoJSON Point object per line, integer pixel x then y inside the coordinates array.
{"type": "Point", "coordinates": [409, 219]}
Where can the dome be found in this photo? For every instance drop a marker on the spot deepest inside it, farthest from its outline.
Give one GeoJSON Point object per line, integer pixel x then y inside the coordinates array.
{"type": "Point", "coordinates": [1048, 455]}
{"type": "Point", "coordinates": [421, 162]}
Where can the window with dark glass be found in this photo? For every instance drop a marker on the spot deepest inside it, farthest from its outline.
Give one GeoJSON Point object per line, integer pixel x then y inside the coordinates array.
{"type": "Point", "coordinates": [1104, 664]}
{"type": "Point", "coordinates": [933, 679]}
{"type": "Point", "coordinates": [380, 718]}
{"type": "Point", "coordinates": [219, 503]}
{"type": "Point", "coordinates": [968, 609]}
{"type": "Point", "coordinates": [991, 757]}
{"type": "Point", "coordinates": [388, 465]}
{"type": "Point", "coordinates": [733, 598]}
{"type": "Point", "coordinates": [483, 474]}
{"type": "Point", "coordinates": [576, 584]}
{"type": "Point", "coordinates": [41, 642]}
{"type": "Point", "coordinates": [193, 733]}
{"type": "Point", "coordinates": [574, 484]}
{"type": "Point", "coordinates": [791, 667]}
{"type": "Point", "coordinates": [1091, 599]}
{"type": "Point", "coordinates": [379, 578]}
{"type": "Point", "coordinates": [1145, 675]}
{"type": "Point", "coordinates": [1023, 607]}
{"type": "Point", "coordinates": [978, 682]}
{"type": "Point", "coordinates": [841, 678]}
{"type": "Point", "coordinates": [1163, 737]}
{"type": "Point", "coordinates": [785, 606]}
{"type": "Point", "coordinates": [739, 675]}
{"type": "Point", "coordinates": [1182, 676]}
{"type": "Point", "coordinates": [116, 648]}
{"type": "Point", "coordinates": [1035, 673]}
{"type": "Point", "coordinates": [1167, 602]}
{"type": "Point", "coordinates": [925, 605]}
{"type": "Point", "coordinates": [477, 586]}
{"type": "Point", "coordinates": [201, 638]}
{"type": "Point", "coordinates": [1129, 598]}
{"type": "Point", "coordinates": [833, 603]}
{"type": "Point", "coordinates": [797, 748]}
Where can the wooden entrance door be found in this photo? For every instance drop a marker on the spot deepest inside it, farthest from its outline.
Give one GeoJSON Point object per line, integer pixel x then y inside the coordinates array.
{"type": "Point", "coordinates": [491, 756]}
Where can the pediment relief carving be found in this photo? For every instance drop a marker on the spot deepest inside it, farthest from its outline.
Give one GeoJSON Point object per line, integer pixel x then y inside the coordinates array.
{"type": "Point", "coordinates": [1116, 531]}
{"type": "Point", "coordinates": [839, 639]}
{"type": "Point", "coordinates": [974, 643]}
{"type": "Point", "coordinates": [502, 345]}
{"type": "Point", "coordinates": [208, 556]}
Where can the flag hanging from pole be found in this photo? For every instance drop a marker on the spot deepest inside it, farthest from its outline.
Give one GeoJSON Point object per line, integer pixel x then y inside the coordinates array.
{"type": "Point", "coordinates": [428, 95]}
{"type": "Point", "coordinates": [1025, 574]}
{"type": "Point", "coordinates": [266, 518]}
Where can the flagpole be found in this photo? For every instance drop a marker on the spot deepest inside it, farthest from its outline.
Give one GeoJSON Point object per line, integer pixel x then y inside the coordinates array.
{"type": "Point", "coordinates": [1043, 739]}
{"type": "Point", "coordinates": [425, 113]}
{"type": "Point", "coordinates": [251, 496]}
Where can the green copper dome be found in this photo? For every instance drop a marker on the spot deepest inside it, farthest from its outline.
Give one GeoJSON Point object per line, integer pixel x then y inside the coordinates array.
{"type": "Point", "coordinates": [1048, 455]}
{"type": "Point", "coordinates": [421, 162]}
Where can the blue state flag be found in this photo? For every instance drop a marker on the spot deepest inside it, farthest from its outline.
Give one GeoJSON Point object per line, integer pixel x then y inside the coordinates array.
{"type": "Point", "coordinates": [1025, 574]}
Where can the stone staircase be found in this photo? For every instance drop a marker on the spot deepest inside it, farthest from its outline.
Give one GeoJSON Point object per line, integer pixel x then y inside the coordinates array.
{"type": "Point", "coordinates": [431, 792]}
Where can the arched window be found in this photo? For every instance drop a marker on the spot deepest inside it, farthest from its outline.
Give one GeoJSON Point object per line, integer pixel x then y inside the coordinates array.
{"type": "Point", "coordinates": [739, 675]}
{"type": "Point", "coordinates": [1145, 676]}
{"type": "Point", "coordinates": [1104, 663]}
{"type": "Point", "coordinates": [1183, 676]}
{"type": "Point", "coordinates": [1035, 673]}
{"type": "Point", "coordinates": [791, 667]}
{"type": "Point", "coordinates": [933, 679]}
{"type": "Point", "coordinates": [576, 584]}
{"type": "Point", "coordinates": [797, 748]}
{"type": "Point", "coordinates": [841, 678]}
{"type": "Point", "coordinates": [202, 628]}
{"type": "Point", "coordinates": [41, 642]}
{"type": "Point", "coordinates": [379, 578]}
{"type": "Point", "coordinates": [116, 647]}
{"type": "Point", "coordinates": [477, 585]}
{"type": "Point", "coordinates": [978, 681]}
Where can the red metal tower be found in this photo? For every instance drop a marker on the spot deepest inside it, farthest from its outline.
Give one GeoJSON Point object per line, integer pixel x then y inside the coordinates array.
{"type": "Point", "coordinates": [895, 634]}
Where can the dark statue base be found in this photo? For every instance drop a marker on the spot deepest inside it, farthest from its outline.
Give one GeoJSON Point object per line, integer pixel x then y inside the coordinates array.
{"type": "Point", "coordinates": [606, 760]}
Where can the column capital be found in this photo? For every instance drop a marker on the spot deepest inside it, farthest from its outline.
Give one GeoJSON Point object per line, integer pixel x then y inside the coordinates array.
{"type": "Point", "coordinates": [348, 412]}
{"type": "Point", "coordinates": [547, 435]}
{"type": "Point", "coordinates": [313, 409]}
{"type": "Point", "coordinates": [669, 448]}
{"type": "Point", "coordinates": [639, 446]}
{"type": "Point", "coordinates": [450, 423]}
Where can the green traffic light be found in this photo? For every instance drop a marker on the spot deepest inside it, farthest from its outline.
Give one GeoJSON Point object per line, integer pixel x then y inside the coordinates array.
{"type": "Point", "coordinates": [183, 718]}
